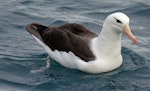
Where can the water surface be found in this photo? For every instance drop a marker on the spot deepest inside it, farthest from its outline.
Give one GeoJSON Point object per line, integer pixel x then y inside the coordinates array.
{"type": "Point", "coordinates": [20, 53]}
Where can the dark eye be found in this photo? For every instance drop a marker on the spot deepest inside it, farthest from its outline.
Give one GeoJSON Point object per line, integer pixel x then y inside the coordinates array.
{"type": "Point", "coordinates": [118, 21]}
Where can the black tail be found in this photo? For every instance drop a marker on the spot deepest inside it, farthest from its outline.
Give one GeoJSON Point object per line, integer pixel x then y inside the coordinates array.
{"type": "Point", "coordinates": [36, 29]}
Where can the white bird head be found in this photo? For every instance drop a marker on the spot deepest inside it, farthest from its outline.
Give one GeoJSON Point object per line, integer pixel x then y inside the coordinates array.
{"type": "Point", "coordinates": [119, 22]}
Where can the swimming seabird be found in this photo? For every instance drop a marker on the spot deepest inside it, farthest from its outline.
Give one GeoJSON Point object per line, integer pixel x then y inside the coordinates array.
{"type": "Point", "coordinates": [76, 47]}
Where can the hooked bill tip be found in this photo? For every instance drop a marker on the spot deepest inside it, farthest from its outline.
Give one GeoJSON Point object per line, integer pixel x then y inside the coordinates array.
{"type": "Point", "coordinates": [135, 41]}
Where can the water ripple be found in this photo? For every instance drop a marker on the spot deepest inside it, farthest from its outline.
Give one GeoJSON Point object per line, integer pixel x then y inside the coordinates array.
{"type": "Point", "coordinates": [20, 53]}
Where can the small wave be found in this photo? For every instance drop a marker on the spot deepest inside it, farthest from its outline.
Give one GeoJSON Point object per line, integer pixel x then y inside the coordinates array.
{"type": "Point", "coordinates": [144, 12]}
{"type": "Point", "coordinates": [58, 22]}
{"type": "Point", "coordinates": [12, 86]}
{"type": "Point", "coordinates": [142, 9]}
{"type": "Point", "coordinates": [133, 60]}
{"type": "Point", "coordinates": [20, 54]}
{"type": "Point", "coordinates": [66, 7]}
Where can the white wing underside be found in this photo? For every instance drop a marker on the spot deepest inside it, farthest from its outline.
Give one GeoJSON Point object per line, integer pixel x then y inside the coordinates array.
{"type": "Point", "coordinates": [68, 60]}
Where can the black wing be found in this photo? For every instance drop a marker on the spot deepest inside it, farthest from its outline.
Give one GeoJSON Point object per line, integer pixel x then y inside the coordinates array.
{"type": "Point", "coordinates": [68, 37]}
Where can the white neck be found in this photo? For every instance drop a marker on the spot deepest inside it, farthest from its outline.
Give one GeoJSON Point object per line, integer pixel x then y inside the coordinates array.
{"type": "Point", "coordinates": [107, 49]}
{"type": "Point", "coordinates": [108, 43]}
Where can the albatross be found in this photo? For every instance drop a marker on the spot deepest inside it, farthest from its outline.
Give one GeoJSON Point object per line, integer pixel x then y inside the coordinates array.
{"type": "Point", "coordinates": [74, 46]}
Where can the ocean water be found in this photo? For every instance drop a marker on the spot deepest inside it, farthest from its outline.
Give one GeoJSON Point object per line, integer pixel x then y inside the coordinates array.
{"type": "Point", "coordinates": [20, 53]}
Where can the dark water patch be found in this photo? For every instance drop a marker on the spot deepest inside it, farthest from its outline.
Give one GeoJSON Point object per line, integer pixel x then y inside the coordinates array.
{"type": "Point", "coordinates": [76, 84]}
{"type": "Point", "coordinates": [66, 8]}
{"type": "Point", "coordinates": [46, 87]}
{"type": "Point", "coordinates": [128, 79]}
{"type": "Point", "coordinates": [21, 16]}
{"type": "Point", "coordinates": [144, 13]}
{"type": "Point", "coordinates": [132, 9]}
{"type": "Point", "coordinates": [21, 13]}
{"type": "Point", "coordinates": [135, 7]}
{"type": "Point", "coordinates": [94, 27]}
{"type": "Point", "coordinates": [132, 60]}
{"type": "Point", "coordinates": [28, 2]}
{"type": "Point", "coordinates": [14, 68]}
{"type": "Point", "coordinates": [2, 31]}
{"type": "Point", "coordinates": [12, 86]}
{"type": "Point", "coordinates": [140, 6]}
{"type": "Point", "coordinates": [20, 53]}
{"type": "Point", "coordinates": [23, 57]}
{"type": "Point", "coordinates": [58, 22]}
{"type": "Point", "coordinates": [97, 14]}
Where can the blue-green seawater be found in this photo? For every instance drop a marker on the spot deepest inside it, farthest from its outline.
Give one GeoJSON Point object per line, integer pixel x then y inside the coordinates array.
{"type": "Point", "coordinates": [20, 53]}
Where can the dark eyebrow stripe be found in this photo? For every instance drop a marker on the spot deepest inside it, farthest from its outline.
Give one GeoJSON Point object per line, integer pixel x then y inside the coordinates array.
{"type": "Point", "coordinates": [118, 21]}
